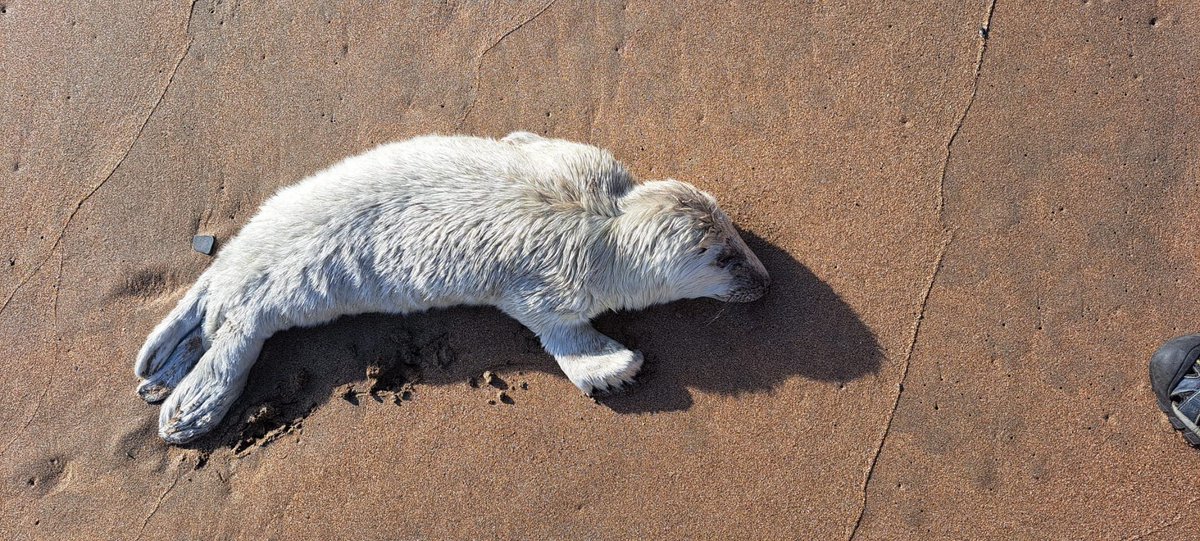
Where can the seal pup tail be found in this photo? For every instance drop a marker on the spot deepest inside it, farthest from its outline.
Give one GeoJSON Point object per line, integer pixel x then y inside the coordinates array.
{"type": "Point", "coordinates": [173, 347]}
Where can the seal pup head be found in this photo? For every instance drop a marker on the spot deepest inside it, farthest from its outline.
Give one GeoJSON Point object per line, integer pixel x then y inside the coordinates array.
{"type": "Point", "coordinates": [691, 242]}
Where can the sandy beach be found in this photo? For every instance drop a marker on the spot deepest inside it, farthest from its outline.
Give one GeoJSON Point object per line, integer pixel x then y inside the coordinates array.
{"type": "Point", "coordinates": [978, 220]}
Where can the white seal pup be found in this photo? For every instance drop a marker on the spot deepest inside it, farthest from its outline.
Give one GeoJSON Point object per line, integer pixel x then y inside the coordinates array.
{"type": "Point", "coordinates": [551, 232]}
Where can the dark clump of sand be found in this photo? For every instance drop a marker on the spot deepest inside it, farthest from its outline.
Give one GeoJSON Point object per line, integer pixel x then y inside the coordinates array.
{"type": "Point", "coordinates": [977, 219]}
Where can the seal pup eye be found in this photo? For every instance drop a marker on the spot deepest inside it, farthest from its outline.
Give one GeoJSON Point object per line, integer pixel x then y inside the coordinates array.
{"type": "Point", "coordinates": [727, 257]}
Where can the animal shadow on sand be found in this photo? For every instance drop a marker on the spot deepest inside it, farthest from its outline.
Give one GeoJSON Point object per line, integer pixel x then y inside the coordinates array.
{"type": "Point", "coordinates": [800, 328]}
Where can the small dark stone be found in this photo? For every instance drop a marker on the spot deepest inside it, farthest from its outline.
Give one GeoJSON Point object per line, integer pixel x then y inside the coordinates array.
{"type": "Point", "coordinates": [204, 244]}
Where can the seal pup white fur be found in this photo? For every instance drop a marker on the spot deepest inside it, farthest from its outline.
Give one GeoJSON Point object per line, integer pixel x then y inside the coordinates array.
{"type": "Point", "coordinates": [551, 232]}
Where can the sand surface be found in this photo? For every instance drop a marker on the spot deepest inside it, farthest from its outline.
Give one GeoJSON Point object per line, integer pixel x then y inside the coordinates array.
{"type": "Point", "coordinates": [980, 221]}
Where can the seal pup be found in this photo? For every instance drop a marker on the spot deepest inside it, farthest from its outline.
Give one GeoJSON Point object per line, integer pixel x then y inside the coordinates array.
{"type": "Point", "coordinates": [551, 232]}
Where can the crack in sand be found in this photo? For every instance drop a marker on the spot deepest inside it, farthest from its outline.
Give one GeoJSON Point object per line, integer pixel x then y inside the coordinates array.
{"type": "Point", "coordinates": [912, 343]}
{"type": "Point", "coordinates": [49, 379]}
{"type": "Point", "coordinates": [1165, 524]}
{"type": "Point", "coordinates": [594, 113]}
{"type": "Point", "coordinates": [32, 415]}
{"type": "Point", "coordinates": [161, 498]}
{"type": "Point", "coordinates": [79, 204]}
{"type": "Point", "coordinates": [57, 289]}
{"type": "Point", "coordinates": [62, 232]}
{"type": "Point", "coordinates": [948, 237]}
{"type": "Point", "coordinates": [462, 120]}
{"type": "Point", "coordinates": [217, 199]}
{"type": "Point", "coordinates": [983, 35]}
